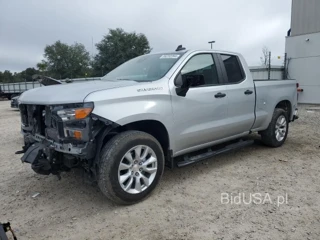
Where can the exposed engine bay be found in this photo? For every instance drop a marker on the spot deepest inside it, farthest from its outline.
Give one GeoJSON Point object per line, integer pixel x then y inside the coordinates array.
{"type": "Point", "coordinates": [60, 137]}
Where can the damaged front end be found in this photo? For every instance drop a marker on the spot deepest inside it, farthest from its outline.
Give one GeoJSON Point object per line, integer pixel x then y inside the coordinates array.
{"type": "Point", "coordinates": [60, 137]}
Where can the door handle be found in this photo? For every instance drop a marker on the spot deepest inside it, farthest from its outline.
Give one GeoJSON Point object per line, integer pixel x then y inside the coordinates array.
{"type": "Point", "coordinates": [248, 92]}
{"type": "Point", "coordinates": [220, 95]}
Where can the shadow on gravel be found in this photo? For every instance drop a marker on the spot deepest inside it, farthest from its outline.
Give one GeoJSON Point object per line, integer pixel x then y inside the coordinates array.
{"type": "Point", "coordinates": [215, 163]}
{"type": "Point", "coordinates": [77, 189]}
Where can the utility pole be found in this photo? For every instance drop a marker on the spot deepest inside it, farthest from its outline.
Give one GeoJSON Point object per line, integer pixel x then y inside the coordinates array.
{"type": "Point", "coordinates": [269, 66]}
{"type": "Point", "coordinates": [211, 42]}
{"type": "Point", "coordinates": [285, 70]}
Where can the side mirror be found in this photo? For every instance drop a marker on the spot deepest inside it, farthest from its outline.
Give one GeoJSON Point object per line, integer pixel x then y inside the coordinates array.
{"type": "Point", "coordinates": [181, 85]}
{"type": "Point", "coordinates": [184, 82]}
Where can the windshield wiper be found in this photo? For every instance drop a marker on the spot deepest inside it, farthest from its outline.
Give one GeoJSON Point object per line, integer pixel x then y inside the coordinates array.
{"type": "Point", "coordinates": [127, 79]}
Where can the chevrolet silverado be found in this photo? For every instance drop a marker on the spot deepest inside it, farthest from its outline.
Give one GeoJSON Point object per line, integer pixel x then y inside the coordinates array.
{"type": "Point", "coordinates": [156, 110]}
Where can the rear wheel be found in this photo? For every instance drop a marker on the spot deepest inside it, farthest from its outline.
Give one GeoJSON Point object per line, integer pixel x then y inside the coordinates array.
{"type": "Point", "coordinates": [131, 165]}
{"type": "Point", "coordinates": [277, 131]}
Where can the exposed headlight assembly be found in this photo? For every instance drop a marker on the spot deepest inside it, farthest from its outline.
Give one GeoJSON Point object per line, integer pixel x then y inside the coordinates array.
{"type": "Point", "coordinates": [74, 118]}
{"type": "Point", "coordinates": [77, 113]}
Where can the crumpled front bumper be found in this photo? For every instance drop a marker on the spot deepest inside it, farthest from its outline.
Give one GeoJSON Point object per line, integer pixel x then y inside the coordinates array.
{"type": "Point", "coordinates": [61, 147]}
{"type": "Point", "coordinates": [49, 149]}
{"type": "Point", "coordinates": [47, 156]}
{"type": "Point", "coordinates": [35, 156]}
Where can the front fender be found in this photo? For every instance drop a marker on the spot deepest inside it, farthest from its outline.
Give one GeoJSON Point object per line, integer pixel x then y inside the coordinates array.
{"type": "Point", "coordinates": [129, 110]}
{"type": "Point", "coordinates": [127, 105]}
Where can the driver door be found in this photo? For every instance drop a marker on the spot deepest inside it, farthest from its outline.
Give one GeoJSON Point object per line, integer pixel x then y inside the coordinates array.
{"type": "Point", "coordinates": [199, 117]}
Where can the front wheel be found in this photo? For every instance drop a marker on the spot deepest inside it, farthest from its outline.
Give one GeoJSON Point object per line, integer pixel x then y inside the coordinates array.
{"type": "Point", "coordinates": [131, 165]}
{"type": "Point", "coordinates": [277, 131]}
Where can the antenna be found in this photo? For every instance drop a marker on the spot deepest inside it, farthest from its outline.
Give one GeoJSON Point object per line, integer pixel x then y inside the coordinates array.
{"type": "Point", "coordinates": [180, 48]}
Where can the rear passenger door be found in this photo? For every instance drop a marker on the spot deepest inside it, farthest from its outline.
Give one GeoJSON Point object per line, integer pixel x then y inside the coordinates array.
{"type": "Point", "coordinates": [241, 95]}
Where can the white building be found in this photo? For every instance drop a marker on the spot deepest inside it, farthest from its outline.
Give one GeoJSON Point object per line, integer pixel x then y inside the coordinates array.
{"type": "Point", "coordinates": [303, 49]}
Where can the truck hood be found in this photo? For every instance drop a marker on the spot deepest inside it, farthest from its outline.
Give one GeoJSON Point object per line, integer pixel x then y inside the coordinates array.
{"type": "Point", "coordinates": [68, 93]}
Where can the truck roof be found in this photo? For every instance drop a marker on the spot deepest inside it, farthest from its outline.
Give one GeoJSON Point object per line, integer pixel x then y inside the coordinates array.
{"type": "Point", "coordinates": [196, 50]}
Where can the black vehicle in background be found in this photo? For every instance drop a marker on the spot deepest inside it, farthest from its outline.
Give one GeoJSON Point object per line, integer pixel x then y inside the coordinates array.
{"type": "Point", "coordinates": [14, 102]}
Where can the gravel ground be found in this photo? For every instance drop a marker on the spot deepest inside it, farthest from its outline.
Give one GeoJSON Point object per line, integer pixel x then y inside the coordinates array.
{"type": "Point", "coordinates": [186, 205]}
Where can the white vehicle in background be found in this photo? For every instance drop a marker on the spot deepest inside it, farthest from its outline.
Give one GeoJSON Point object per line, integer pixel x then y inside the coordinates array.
{"type": "Point", "coordinates": [172, 108]}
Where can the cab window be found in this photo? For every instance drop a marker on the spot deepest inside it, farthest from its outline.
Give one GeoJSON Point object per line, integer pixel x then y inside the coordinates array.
{"type": "Point", "coordinates": [202, 70]}
{"type": "Point", "coordinates": [233, 68]}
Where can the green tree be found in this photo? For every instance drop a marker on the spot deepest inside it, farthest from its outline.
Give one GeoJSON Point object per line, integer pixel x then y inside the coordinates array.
{"type": "Point", "coordinates": [27, 74]}
{"type": "Point", "coordinates": [118, 47]}
{"type": "Point", "coordinates": [42, 66]}
{"type": "Point", "coordinates": [17, 77]}
{"type": "Point", "coordinates": [64, 61]}
{"type": "Point", "coordinates": [7, 76]}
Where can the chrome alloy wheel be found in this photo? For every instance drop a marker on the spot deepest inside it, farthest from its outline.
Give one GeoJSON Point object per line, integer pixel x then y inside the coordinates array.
{"type": "Point", "coordinates": [137, 169]}
{"type": "Point", "coordinates": [281, 128]}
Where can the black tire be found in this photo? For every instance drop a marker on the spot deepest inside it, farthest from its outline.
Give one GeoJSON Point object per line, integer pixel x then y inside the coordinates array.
{"type": "Point", "coordinates": [268, 136]}
{"type": "Point", "coordinates": [110, 158]}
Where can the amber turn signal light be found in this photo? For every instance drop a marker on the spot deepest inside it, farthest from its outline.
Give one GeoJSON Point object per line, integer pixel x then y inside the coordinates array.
{"type": "Point", "coordinates": [77, 134]}
{"type": "Point", "coordinates": [82, 113]}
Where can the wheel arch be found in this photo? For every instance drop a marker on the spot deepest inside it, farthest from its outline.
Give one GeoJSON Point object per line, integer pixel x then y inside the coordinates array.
{"type": "Point", "coordinates": [153, 127]}
{"type": "Point", "coordinates": [149, 124]}
{"type": "Point", "coordinates": [287, 106]}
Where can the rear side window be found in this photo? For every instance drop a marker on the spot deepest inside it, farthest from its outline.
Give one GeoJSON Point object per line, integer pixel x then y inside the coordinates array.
{"type": "Point", "coordinates": [233, 68]}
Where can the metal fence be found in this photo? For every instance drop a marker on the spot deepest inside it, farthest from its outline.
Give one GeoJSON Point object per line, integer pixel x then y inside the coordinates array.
{"type": "Point", "coordinates": [263, 73]}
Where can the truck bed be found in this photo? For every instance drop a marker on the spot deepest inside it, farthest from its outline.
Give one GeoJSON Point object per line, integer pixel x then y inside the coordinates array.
{"type": "Point", "coordinates": [268, 94]}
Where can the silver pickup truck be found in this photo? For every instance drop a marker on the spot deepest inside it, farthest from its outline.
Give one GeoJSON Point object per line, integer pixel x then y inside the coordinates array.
{"type": "Point", "coordinates": [172, 109]}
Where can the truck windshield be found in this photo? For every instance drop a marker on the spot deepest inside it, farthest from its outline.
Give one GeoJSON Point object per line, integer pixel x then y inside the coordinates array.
{"type": "Point", "coordinates": [149, 67]}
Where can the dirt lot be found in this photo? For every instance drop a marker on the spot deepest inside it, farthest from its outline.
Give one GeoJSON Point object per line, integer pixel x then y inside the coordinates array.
{"type": "Point", "coordinates": [186, 205]}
